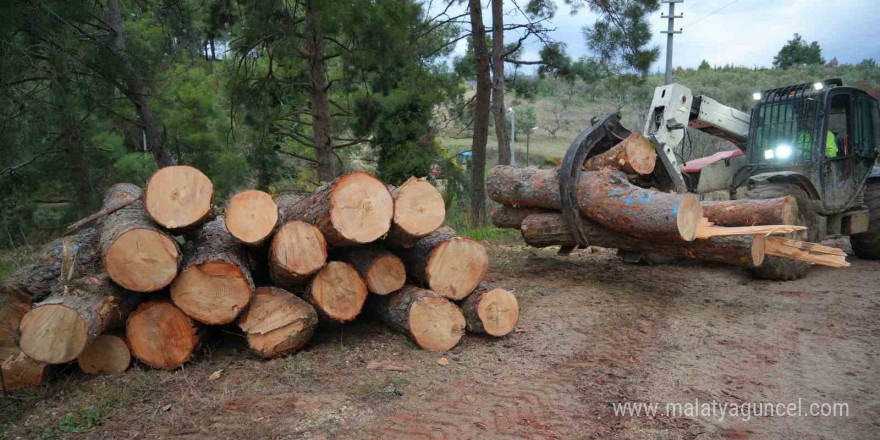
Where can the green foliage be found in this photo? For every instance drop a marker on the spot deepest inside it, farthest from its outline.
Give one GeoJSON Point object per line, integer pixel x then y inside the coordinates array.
{"type": "Point", "coordinates": [622, 33]}
{"type": "Point", "coordinates": [704, 65]}
{"type": "Point", "coordinates": [797, 52]}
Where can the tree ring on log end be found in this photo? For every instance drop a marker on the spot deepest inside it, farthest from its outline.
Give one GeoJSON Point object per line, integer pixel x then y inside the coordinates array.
{"type": "Point", "coordinates": [53, 333]}
{"type": "Point", "coordinates": [435, 323]}
{"type": "Point", "coordinates": [386, 275]}
{"type": "Point", "coordinates": [689, 214]}
{"type": "Point", "coordinates": [299, 248]}
{"type": "Point", "coordinates": [142, 260]}
{"type": "Point", "coordinates": [498, 311]}
{"type": "Point", "coordinates": [456, 267]}
{"type": "Point", "coordinates": [419, 208]}
{"type": "Point", "coordinates": [338, 291]}
{"type": "Point", "coordinates": [178, 196]}
{"type": "Point", "coordinates": [251, 216]}
{"type": "Point", "coordinates": [212, 293]}
{"type": "Point", "coordinates": [361, 207]}
{"type": "Point", "coordinates": [160, 335]}
{"type": "Point", "coordinates": [106, 354]}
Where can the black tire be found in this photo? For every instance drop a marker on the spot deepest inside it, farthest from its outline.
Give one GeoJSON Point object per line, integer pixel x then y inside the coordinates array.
{"type": "Point", "coordinates": [867, 244]}
{"type": "Point", "coordinates": [783, 269]}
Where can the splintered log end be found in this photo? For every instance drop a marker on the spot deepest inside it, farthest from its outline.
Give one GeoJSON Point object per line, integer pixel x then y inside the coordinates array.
{"type": "Point", "coordinates": [212, 293]}
{"type": "Point", "coordinates": [21, 372]}
{"type": "Point", "coordinates": [178, 197]}
{"type": "Point", "coordinates": [338, 292]}
{"type": "Point", "coordinates": [759, 245]}
{"type": "Point", "coordinates": [689, 216]}
{"type": "Point", "coordinates": [278, 323]}
{"type": "Point", "coordinates": [491, 310]}
{"type": "Point", "coordinates": [160, 335]}
{"type": "Point", "coordinates": [142, 260]}
{"type": "Point", "coordinates": [298, 250]}
{"type": "Point", "coordinates": [106, 354]}
{"type": "Point", "coordinates": [53, 333]}
{"type": "Point", "coordinates": [456, 267]}
{"type": "Point", "coordinates": [251, 216]}
{"type": "Point", "coordinates": [361, 208]}
{"type": "Point", "coordinates": [418, 208]}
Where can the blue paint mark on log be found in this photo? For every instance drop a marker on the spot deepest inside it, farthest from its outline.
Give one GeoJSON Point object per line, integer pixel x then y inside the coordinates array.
{"type": "Point", "coordinates": [675, 210]}
{"type": "Point", "coordinates": [646, 197]}
{"type": "Point", "coordinates": [629, 200]}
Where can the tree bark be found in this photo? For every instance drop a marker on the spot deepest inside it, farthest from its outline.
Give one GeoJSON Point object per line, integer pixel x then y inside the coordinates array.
{"type": "Point", "coordinates": [108, 353]}
{"type": "Point", "coordinates": [338, 292]}
{"type": "Point", "coordinates": [418, 210]}
{"type": "Point", "coordinates": [511, 218]}
{"type": "Point", "coordinates": [58, 329]}
{"type": "Point", "coordinates": [277, 323]}
{"type": "Point", "coordinates": [449, 265]}
{"type": "Point", "coordinates": [524, 187]}
{"type": "Point", "coordinates": [381, 270]}
{"type": "Point", "coordinates": [431, 321]}
{"type": "Point", "coordinates": [490, 310]}
{"type": "Point", "coordinates": [633, 155]}
{"type": "Point", "coordinates": [747, 212]}
{"type": "Point", "coordinates": [481, 115]}
{"type": "Point", "coordinates": [352, 209]}
{"type": "Point", "coordinates": [160, 335]}
{"type": "Point", "coordinates": [251, 217]}
{"type": "Point", "coordinates": [320, 100]}
{"type": "Point", "coordinates": [543, 230]}
{"type": "Point", "coordinates": [285, 202]}
{"type": "Point", "coordinates": [137, 255]}
{"type": "Point", "coordinates": [215, 284]}
{"type": "Point", "coordinates": [498, 107]}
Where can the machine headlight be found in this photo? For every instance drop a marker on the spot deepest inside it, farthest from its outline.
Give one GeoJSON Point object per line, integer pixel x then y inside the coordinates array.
{"type": "Point", "coordinates": [783, 152]}
{"type": "Point", "coordinates": [756, 96]}
{"type": "Point", "coordinates": [768, 154]}
{"type": "Point", "coordinates": [818, 86]}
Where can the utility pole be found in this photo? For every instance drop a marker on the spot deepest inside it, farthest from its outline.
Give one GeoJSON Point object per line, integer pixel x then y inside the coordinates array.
{"type": "Point", "coordinates": [669, 33]}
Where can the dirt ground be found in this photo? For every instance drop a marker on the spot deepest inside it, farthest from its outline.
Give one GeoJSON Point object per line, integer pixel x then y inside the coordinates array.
{"type": "Point", "coordinates": [593, 332]}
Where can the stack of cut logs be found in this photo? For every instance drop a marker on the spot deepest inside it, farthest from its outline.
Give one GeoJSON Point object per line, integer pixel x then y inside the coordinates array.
{"type": "Point", "coordinates": [618, 213]}
{"type": "Point", "coordinates": [163, 266]}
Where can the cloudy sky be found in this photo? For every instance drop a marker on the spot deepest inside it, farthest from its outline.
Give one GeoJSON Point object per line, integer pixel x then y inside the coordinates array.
{"type": "Point", "coordinates": [740, 32]}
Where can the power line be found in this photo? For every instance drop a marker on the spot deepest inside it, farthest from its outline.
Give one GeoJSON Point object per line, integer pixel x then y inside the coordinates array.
{"type": "Point", "coordinates": [710, 14]}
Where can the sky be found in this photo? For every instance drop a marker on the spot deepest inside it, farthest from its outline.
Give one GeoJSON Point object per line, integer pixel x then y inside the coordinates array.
{"type": "Point", "coordinates": [740, 32]}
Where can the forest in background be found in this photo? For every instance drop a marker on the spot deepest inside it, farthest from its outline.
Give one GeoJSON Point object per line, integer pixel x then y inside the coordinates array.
{"type": "Point", "coordinates": [282, 95]}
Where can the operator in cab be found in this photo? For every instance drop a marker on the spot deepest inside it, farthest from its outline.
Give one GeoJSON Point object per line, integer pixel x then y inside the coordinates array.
{"type": "Point", "coordinates": [805, 141]}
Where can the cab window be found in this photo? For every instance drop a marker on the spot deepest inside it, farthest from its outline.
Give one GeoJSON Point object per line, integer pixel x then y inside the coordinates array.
{"type": "Point", "coordinates": [866, 130]}
{"type": "Point", "coordinates": [836, 141]}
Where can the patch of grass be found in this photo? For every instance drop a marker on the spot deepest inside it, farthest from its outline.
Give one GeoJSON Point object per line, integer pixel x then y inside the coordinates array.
{"type": "Point", "coordinates": [490, 233]}
{"type": "Point", "coordinates": [300, 364]}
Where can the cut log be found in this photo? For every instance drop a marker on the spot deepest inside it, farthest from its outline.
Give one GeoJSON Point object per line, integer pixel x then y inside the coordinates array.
{"type": "Point", "coordinates": [606, 197]}
{"type": "Point", "coordinates": [807, 252]}
{"type": "Point", "coordinates": [431, 321]}
{"type": "Point", "coordinates": [251, 217]}
{"type": "Point", "coordinates": [490, 310]}
{"type": "Point", "coordinates": [21, 372]}
{"type": "Point", "coordinates": [381, 270]}
{"type": "Point", "coordinates": [285, 202]}
{"type": "Point", "coordinates": [160, 335]}
{"type": "Point", "coordinates": [748, 212]}
{"type": "Point", "coordinates": [12, 309]}
{"type": "Point", "coordinates": [215, 284]}
{"type": "Point", "coordinates": [353, 209]}
{"type": "Point", "coordinates": [542, 230]}
{"type": "Point", "coordinates": [298, 250]}
{"type": "Point", "coordinates": [58, 329]}
{"type": "Point", "coordinates": [179, 198]}
{"type": "Point", "coordinates": [277, 323]}
{"type": "Point", "coordinates": [337, 292]}
{"type": "Point", "coordinates": [448, 265]}
{"type": "Point", "coordinates": [708, 230]}
{"type": "Point", "coordinates": [106, 354]}
{"type": "Point", "coordinates": [418, 210]}
{"type": "Point", "coordinates": [633, 155]}
{"type": "Point", "coordinates": [509, 217]}
{"type": "Point", "coordinates": [79, 254]}
{"type": "Point", "coordinates": [137, 255]}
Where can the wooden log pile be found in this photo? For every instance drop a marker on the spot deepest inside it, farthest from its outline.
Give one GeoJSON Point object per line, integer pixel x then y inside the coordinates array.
{"type": "Point", "coordinates": [162, 266]}
{"type": "Point", "coordinates": [617, 211]}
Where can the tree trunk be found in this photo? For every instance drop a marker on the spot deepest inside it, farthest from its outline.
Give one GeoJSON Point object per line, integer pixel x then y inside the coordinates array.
{"type": "Point", "coordinates": [418, 210]}
{"type": "Point", "coordinates": [277, 323]}
{"type": "Point", "coordinates": [431, 321]}
{"type": "Point", "coordinates": [21, 372]}
{"type": "Point", "coordinates": [215, 284]}
{"type": "Point", "coordinates": [490, 310]}
{"type": "Point", "coordinates": [179, 198]}
{"type": "Point", "coordinates": [58, 329]}
{"type": "Point", "coordinates": [633, 155]}
{"type": "Point", "coordinates": [542, 230]}
{"type": "Point", "coordinates": [511, 218]}
{"type": "Point", "coordinates": [747, 212]}
{"type": "Point", "coordinates": [498, 107]}
{"type": "Point", "coordinates": [481, 116]}
{"type": "Point", "coordinates": [160, 335]}
{"type": "Point", "coordinates": [524, 187]}
{"type": "Point", "coordinates": [251, 217]}
{"type": "Point", "coordinates": [136, 91]}
{"type": "Point", "coordinates": [353, 209]}
{"type": "Point", "coordinates": [338, 292]}
{"type": "Point", "coordinates": [449, 265]}
{"type": "Point", "coordinates": [108, 353]}
{"type": "Point", "coordinates": [137, 255]}
{"type": "Point", "coordinates": [381, 270]}
{"type": "Point", "coordinates": [320, 100]}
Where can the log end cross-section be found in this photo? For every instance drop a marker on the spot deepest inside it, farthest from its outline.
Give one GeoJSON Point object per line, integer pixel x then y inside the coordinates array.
{"type": "Point", "coordinates": [251, 216]}
{"type": "Point", "coordinates": [179, 197]}
{"type": "Point", "coordinates": [160, 335]}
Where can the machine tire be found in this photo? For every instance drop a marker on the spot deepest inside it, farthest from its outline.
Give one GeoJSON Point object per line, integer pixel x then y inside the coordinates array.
{"type": "Point", "coordinates": [867, 244]}
{"type": "Point", "coordinates": [783, 269]}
